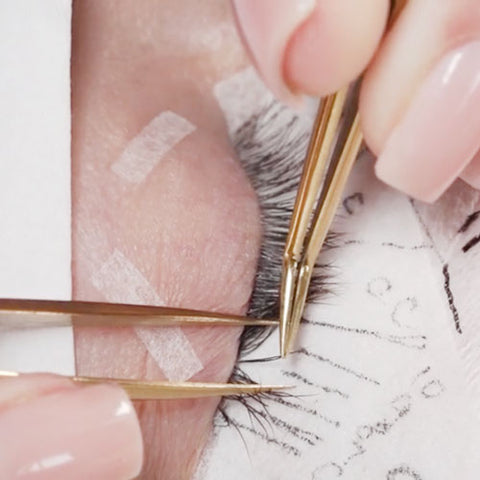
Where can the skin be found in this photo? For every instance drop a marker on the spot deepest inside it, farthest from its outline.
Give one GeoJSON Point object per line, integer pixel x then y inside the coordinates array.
{"type": "Point", "coordinates": [125, 73]}
{"type": "Point", "coordinates": [396, 72]}
{"type": "Point", "coordinates": [132, 60]}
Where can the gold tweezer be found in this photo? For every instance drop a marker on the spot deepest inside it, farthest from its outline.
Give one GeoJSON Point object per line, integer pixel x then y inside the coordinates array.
{"type": "Point", "coordinates": [159, 390]}
{"type": "Point", "coordinates": [19, 313]}
{"type": "Point", "coordinates": [330, 157]}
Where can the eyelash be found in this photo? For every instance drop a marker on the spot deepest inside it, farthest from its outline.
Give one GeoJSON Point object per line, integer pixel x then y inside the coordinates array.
{"type": "Point", "coordinates": [271, 146]}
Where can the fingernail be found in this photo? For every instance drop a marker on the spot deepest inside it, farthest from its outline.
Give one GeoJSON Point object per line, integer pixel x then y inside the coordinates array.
{"type": "Point", "coordinates": [28, 386]}
{"type": "Point", "coordinates": [440, 132]}
{"type": "Point", "coordinates": [267, 26]}
{"type": "Point", "coordinates": [78, 433]}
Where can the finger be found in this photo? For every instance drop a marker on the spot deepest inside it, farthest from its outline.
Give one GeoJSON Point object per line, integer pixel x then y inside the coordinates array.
{"type": "Point", "coordinates": [51, 428]}
{"type": "Point", "coordinates": [420, 102]}
{"type": "Point", "coordinates": [311, 47]}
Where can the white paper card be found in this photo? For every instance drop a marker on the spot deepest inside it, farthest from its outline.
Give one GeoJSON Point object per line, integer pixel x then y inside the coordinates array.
{"type": "Point", "coordinates": [35, 173]}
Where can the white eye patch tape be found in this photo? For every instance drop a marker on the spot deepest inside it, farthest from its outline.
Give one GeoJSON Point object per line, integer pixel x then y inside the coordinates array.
{"type": "Point", "coordinates": [145, 150]}
{"type": "Point", "coordinates": [121, 282]}
{"type": "Point", "coordinates": [241, 96]}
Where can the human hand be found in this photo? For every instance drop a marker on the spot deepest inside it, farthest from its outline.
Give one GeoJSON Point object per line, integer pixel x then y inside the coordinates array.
{"type": "Point", "coordinates": [52, 428]}
{"type": "Point", "coordinates": [127, 67]}
{"type": "Point", "coordinates": [419, 104]}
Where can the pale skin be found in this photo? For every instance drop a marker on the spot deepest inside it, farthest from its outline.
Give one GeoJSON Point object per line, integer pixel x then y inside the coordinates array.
{"type": "Point", "coordinates": [193, 228]}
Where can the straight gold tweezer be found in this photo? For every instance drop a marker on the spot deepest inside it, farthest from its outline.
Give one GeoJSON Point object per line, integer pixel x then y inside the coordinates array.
{"type": "Point", "coordinates": [330, 157]}
{"type": "Point", "coordinates": [152, 390]}
{"type": "Point", "coordinates": [50, 313]}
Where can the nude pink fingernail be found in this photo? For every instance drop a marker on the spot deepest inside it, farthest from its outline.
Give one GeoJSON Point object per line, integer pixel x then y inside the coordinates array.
{"type": "Point", "coordinates": [440, 132]}
{"type": "Point", "coordinates": [267, 26]}
{"type": "Point", "coordinates": [77, 433]}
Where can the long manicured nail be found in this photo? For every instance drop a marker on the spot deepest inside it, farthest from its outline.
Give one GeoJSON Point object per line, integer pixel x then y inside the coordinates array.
{"type": "Point", "coordinates": [440, 132]}
{"type": "Point", "coordinates": [76, 433]}
{"type": "Point", "coordinates": [267, 26]}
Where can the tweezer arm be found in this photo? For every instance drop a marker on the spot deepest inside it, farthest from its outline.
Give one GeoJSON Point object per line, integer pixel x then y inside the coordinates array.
{"type": "Point", "coordinates": [18, 313]}
{"type": "Point", "coordinates": [321, 224]}
{"type": "Point", "coordinates": [151, 390]}
{"type": "Point", "coordinates": [302, 247]}
{"type": "Point", "coordinates": [142, 390]}
{"type": "Point", "coordinates": [314, 171]}
{"type": "Point", "coordinates": [334, 190]}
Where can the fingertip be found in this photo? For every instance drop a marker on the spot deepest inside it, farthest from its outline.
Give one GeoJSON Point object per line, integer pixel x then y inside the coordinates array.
{"type": "Point", "coordinates": [333, 45]}
{"type": "Point", "coordinates": [266, 28]}
{"type": "Point", "coordinates": [80, 432]}
{"type": "Point", "coordinates": [310, 47]}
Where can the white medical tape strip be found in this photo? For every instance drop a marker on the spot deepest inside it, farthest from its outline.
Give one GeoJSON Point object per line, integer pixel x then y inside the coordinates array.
{"type": "Point", "coordinates": [121, 282]}
{"type": "Point", "coordinates": [241, 96]}
{"type": "Point", "coordinates": [144, 151]}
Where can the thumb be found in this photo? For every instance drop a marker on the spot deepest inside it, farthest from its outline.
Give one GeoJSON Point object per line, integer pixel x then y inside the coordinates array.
{"type": "Point", "coordinates": [51, 428]}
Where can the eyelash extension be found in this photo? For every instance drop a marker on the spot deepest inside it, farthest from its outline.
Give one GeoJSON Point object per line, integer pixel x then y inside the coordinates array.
{"type": "Point", "coordinates": [271, 146]}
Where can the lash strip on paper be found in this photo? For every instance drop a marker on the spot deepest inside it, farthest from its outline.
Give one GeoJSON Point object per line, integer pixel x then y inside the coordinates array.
{"type": "Point", "coordinates": [144, 151]}
{"type": "Point", "coordinates": [121, 282]}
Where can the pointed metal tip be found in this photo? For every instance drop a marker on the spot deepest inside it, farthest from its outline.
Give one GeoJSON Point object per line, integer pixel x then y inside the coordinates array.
{"type": "Point", "coordinates": [301, 290]}
{"type": "Point", "coordinates": [285, 339]}
{"type": "Point", "coordinates": [162, 390]}
{"type": "Point", "coordinates": [287, 296]}
{"type": "Point", "coordinates": [271, 388]}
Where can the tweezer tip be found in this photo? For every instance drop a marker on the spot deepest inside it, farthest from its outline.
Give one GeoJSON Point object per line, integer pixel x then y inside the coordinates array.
{"type": "Point", "coordinates": [270, 388]}
{"type": "Point", "coordinates": [284, 341]}
{"type": "Point", "coordinates": [289, 279]}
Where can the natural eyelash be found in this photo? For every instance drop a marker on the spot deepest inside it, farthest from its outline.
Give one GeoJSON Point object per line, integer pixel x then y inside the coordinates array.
{"type": "Point", "coordinates": [271, 146]}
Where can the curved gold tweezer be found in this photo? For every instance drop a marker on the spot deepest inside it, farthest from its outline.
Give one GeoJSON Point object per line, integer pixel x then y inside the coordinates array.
{"type": "Point", "coordinates": [19, 313]}
{"type": "Point", "coordinates": [330, 158]}
{"type": "Point", "coordinates": [151, 390]}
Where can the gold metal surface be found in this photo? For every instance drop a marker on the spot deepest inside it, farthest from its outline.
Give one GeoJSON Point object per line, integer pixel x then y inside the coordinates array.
{"type": "Point", "coordinates": [329, 160]}
{"type": "Point", "coordinates": [151, 390]}
{"type": "Point", "coordinates": [321, 181]}
{"type": "Point", "coordinates": [17, 313]}
{"type": "Point", "coordinates": [314, 171]}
